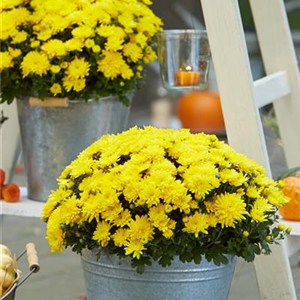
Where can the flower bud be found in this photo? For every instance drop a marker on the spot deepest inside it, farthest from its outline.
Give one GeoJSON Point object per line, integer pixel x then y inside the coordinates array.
{"type": "Point", "coordinates": [281, 227]}
{"type": "Point", "coordinates": [246, 233]}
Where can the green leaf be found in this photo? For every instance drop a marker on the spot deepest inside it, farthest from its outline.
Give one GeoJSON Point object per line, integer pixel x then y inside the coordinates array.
{"type": "Point", "coordinates": [197, 255]}
{"type": "Point", "coordinates": [172, 250]}
{"type": "Point", "coordinates": [140, 264]}
{"type": "Point", "coordinates": [165, 260]}
{"type": "Point", "coordinates": [140, 269]}
{"type": "Point", "coordinates": [223, 259]}
{"type": "Point", "coordinates": [186, 257]}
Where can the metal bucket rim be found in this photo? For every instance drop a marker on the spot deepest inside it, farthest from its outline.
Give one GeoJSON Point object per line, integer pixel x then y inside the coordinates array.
{"type": "Point", "coordinates": [92, 99]}
{"type": "Point", "coordinates": [13, 288]}
{"type": "Point", "coordinates": [192, 32]}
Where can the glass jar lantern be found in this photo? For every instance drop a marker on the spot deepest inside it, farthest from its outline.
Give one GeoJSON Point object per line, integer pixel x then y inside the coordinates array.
{"type": "Point", "coordinates": [184, 57]}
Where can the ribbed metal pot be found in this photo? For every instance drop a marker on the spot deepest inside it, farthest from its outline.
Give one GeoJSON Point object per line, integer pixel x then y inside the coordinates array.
{"type": "Point", "coordinates": [52, 137]}
{"type": "Point", "coordinates": [112, 279]}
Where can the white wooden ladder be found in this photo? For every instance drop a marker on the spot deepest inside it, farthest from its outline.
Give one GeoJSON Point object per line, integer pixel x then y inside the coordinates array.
{"type": "Point", "coordinates": [242, 97]}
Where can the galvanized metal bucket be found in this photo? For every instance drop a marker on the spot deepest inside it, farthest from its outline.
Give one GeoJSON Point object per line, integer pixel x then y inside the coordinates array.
{"type": "Point", "coordinates": [112, 279]}
{"type": "Point", "coordinates": [53, 136]}
{"type": "Point", "coordinates": [11, 294]}
{"type": "Point", "coordinates": [33, 265]}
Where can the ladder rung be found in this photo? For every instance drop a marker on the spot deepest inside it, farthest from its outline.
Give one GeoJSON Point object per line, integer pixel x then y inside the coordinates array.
{"type": "Point", "coordinates": [271, 88]}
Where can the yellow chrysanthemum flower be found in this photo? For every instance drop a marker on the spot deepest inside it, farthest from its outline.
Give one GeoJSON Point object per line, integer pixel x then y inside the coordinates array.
{"type": "Point", "coordinates": [127, 20]}
{"type": "Point", "coordinates": [140, 39]}
{"type": "Point", "coordinates": [233, 177]}
{"type": "Point", "coordinates": [64, 64]}
{"type": "Point", "coordinates": [44, 35]}
{"type": "Point", "coordinates": [122, 219]}
{"type": "Point", "coordinates": [160, 220]}
{"type": "Point", "coordinates": [36, 63]}
{"type": "Point", "coordinates": [55, 198]}
{"type": "Point", "coordinates": [56, 89]}
{"type": "Point", "coordinates": [111, 30]}
{"type": "Point", "coordinates": [55, 235]}
{"type": "Point", "coordinates": [19, 37]}
{"type": "Point", "coordinates": [149, 193]}
{"type": "Point", "coordinates": [253, 192]}
{"type": "Point", "coordinates": [6, 60]}
{"type": "Point", "coordinates": [259, 208]}
{"type": "Point", "coordinates": [126, 72]}
{"type": "Point", "coordinates": [120, 237]}
{"type": "Point", "coordinates": [78, 69]}
{"type": "Point", "coordinates": [54, 48]}
{"type": "Point", "coordinates": [7, 4]}
{"type": "Point", "coordinates": [149, 55]}
{"type": "Point", "coordinates": [141, 229]}
{"type": "Point", "coordinates": [55, 69]}
{"type": "Point", "coordinates": [20, 16]}
{"type": "Point", "coordinates": [83, 32]}
{"type": "Point", "coordinates": [80, 168]}
{"type": "Point", "coordinates": [96, 49]}
{"type": "Point", "coordinates": [102, 233]}
{"type": "Point", "coordinates": [229, 209]}
{"type": "Point", "coordinates": [275, 196]}
{"type": "Point", "coordinates": [76, 84]}
{"type": "Point", "coordinates": [89, 43]}
{"type": "Point", "coordinates": [14, 52]}
{"type": "Point", "coordinates": [111, 65]}
{"type": "Point", "coordinates": [74, 45]}
{"type": "Point", "coordinates": [35, 44]}
{"type": "Point", "coordinates": [133, 52]}
{"type": "Point", "coordinates": [134, 247]}
{"type": "Point", "coordinates": [92, 208]}
{"type": "Point", "coordinates": [114, 43]}
{"type": "Point", "coordinates": [70, 211]}
{"type": "Point", "coordinates": [196, 223]}
{"type": "Point", "coordinates": [199, 184]}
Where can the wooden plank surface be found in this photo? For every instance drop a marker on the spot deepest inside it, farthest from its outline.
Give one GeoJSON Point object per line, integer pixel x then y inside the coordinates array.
{"type": "Point", "coordinates": [24, 208]}
{"type": "Point", "coordinates": [243, 124]}
{"type": "Point", "coordinates": [278, 54]}
{"type": "Point", "coordinates": [271, 88]}
{"type": "Point", "coordinates": [235, 82]}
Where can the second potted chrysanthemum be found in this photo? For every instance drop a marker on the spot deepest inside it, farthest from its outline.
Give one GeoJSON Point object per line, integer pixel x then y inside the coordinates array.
{"type": "Point", "coordinates": [152, 198]}
{"type": "Point", "coordinates": [84, 59]}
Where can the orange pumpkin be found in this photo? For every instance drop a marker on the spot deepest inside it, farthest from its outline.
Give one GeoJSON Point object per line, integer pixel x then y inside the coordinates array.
{"type": "Point", "coordinates": [201, 111]}
{"type": "Point", "coordinates": [291, 210]}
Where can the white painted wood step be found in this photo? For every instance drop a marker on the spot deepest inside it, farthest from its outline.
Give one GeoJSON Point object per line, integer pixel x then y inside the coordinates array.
{"type": "Point", "coordinates": [24, 208]}
{"type": "Point", "coordinates": [271, 88]}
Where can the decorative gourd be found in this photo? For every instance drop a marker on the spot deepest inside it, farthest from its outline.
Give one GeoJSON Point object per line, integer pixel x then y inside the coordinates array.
{"type": "Point", "coordinates": [201, 111]}
{"type": "Point", "coordinates": [291, 210]}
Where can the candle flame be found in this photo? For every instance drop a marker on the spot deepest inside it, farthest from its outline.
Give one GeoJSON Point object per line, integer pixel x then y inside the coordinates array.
{"type": "Point", "coordinates": [188, 68]}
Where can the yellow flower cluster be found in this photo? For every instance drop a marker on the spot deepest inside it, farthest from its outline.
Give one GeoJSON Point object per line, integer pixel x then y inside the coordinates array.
{"type": "Point", "coordinates": [73, 41]}
{"type": "Point", "coordinates": [135, 187]}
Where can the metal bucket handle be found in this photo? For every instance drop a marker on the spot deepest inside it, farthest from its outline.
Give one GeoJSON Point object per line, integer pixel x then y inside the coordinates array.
{"type": "Point", "coordinates": [32, 259]}
{"type": "Point", "coordinates": [34, 267]}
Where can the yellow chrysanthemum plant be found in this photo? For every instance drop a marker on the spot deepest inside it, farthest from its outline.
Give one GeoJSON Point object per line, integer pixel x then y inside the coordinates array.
{"type": "Point", "coordinates": [75, 48]}
{"type": "Point", "coordinates": [151, 194]}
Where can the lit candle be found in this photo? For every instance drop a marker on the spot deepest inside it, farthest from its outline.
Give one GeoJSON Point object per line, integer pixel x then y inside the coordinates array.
{"type": "Point", "coordinates": [187, 77]}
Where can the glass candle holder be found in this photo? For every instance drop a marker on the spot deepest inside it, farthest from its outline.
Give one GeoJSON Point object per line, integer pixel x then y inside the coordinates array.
{"type": "Point", "coordinates": [184, 57]}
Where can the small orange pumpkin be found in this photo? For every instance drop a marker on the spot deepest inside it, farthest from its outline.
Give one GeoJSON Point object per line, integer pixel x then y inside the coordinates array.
{"type": "Point", "coordinates": [291, 210]}
{"type": "Point", "coordinates": [201, 111]}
